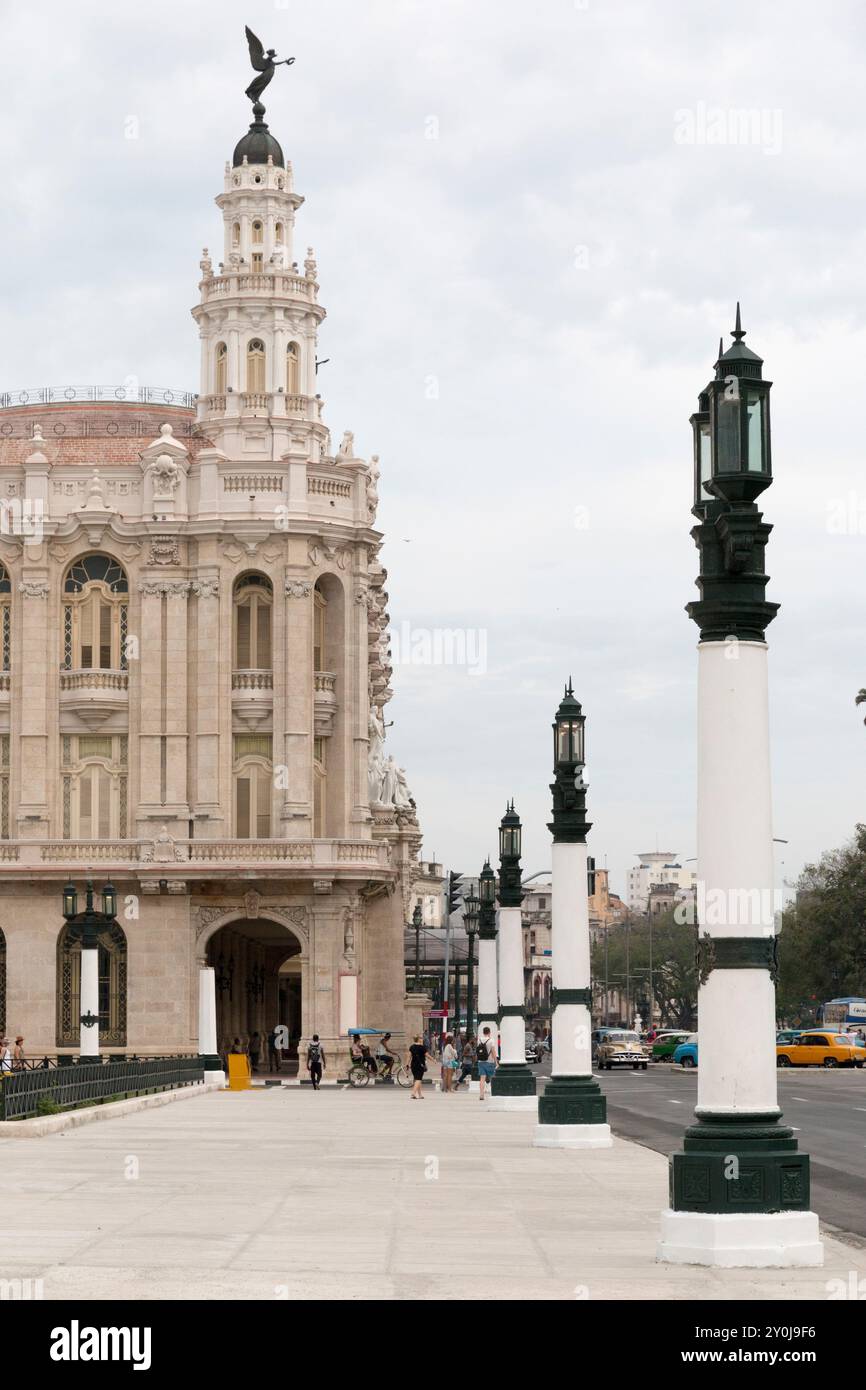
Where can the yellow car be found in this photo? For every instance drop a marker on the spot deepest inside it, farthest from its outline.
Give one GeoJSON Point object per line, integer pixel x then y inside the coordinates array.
{"type": "Point", "coordinates": [820, 1049]}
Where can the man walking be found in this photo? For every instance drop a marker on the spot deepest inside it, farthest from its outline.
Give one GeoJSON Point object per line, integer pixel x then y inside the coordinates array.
{"type": "Point", "coordinates": [315, 1061]}
{"type": "Point", "coordinates": [486, 1054]}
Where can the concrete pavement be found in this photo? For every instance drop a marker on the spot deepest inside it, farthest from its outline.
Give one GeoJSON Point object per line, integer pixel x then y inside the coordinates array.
{"type": "Point", "coordinates": [285, 1193]}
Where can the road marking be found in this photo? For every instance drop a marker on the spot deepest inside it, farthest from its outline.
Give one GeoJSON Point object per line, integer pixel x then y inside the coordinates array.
{"type": "Point", "coordinates": [804, 1099]}
{"type": "Point", "coordinates": [674, 1102]}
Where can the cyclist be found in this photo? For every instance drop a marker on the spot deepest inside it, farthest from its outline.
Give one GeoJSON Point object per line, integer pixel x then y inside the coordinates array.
{"type": "Point", "coordinates": [384, 1056]}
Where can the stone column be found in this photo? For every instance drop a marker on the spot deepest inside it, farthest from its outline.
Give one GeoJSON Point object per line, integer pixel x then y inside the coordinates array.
{"type": "Point", "coordinates": [297, 809]}
{"type": "Point", "coordinates": [32, 643]}
{"type": "Point", "coordinates": [206, 706]}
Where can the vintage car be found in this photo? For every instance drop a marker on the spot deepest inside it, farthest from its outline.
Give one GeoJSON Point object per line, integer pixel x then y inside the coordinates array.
{"type": "Point", "coordinates": [619, 1048]}
{"type": "Point", "coordinates": [666, 1045]}
{"type": "Point", "coordinates": [820, 1048]}
{"type": "Point", "coordinates": [685, 1054]}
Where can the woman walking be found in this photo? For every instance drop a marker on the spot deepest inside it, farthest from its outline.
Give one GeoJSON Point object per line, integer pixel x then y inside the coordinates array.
{"type": "Point", "coordinates": [449, 1063]}
{"type": "Point", "coordinates": [417, 1060]}
{"type": "Point", "coordinates": [467, 1062]}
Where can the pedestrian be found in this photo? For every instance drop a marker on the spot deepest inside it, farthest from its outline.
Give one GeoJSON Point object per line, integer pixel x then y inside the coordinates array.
{"type": "Point", "coordinates": [485, 1052]}
{"type": "Point", "coordinates": [255, 1051]}
{"type": "Point", "coordinates": [18, 1052]}
{"type": "Point", "coordinates": [5, 1055]}
{"type": "Point", "coordinates": [237, 1046]}
{"type": "Point", "coordinates": [467, 1062]}
{"type": "Point", "coordinates": [417, 1061]}
{"type": "Point", "coordinates": [449, 1062]}
{"type": "Point", "coordinates": [273, 1051]}
{"type": "Point", "coordinates": [315, 1061]}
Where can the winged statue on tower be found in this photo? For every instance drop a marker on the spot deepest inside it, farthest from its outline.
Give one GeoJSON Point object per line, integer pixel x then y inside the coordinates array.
{"type": "Point", "coordinates": [264, 64]}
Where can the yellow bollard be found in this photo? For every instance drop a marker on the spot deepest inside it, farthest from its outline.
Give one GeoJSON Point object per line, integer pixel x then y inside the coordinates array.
{"type": "Point", "coordinates": [239, 1071]}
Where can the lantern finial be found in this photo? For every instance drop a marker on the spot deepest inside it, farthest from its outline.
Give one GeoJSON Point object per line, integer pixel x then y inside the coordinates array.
{"type": "Point", "coordinates": [739, 332]}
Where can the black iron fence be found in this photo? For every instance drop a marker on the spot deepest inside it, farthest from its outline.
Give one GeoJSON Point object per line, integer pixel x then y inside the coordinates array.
{"type": "Point", "coordinates": [49, 1085]}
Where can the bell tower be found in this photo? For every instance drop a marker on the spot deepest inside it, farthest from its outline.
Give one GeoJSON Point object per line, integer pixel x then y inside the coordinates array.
{"type": "Point", "coordinates": [258, 314]}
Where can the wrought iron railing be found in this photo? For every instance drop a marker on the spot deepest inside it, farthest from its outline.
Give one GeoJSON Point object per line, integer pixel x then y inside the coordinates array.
{"type": "Point", "coordinates": [71, 1082]}
{"type": "Point", "coordinates": [140, 395]}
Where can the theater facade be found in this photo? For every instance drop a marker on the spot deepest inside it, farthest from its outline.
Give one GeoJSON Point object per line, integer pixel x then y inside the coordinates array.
{"type": "Point", "coordinates": [193, 621]}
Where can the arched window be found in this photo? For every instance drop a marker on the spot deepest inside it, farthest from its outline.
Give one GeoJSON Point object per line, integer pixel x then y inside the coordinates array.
{"type": "Point", "coordinates": [320, 605]}
{"type": "Point", "coordinates": [293, 370]}
{"type": "Point", "coordinates": [253, 606]}
{"type": "Point", "coordinates": [221, 366]}
{"type": "Point", "coordinates": [236, 234]}
{"type": "Point", "coordinates": [95, 594]}
{"type": "Point", "coordinates": [256, 366]}
{"type": "Point", "coordinates": [258, 233]}
{"type": "Point", "coordinates": [112, 987]}
{"type": "Point", "coordinates": [278, 234]}
{"type": "Point", "coordinates": [253, 776]}
{"type": "Point", "coordinates": [94, 784]}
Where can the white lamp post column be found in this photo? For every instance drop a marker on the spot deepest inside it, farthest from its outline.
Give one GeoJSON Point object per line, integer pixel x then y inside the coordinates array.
{"type": "Point", "coordinates": [89, 1025]}
{"type": "Point", "coordinates": [740, 1187]}
{"type": "Point", "coordinates": [513, 1086]}
{"type": "Point", "coordinates": [488, 988]}
{"type": "Point", "coordinates": [572, 1111]}
{"type": "Point", "coordinates": [207, 1026]}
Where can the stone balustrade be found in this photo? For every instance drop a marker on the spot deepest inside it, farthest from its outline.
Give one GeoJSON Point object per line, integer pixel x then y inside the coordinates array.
{"type": "Point", "coordinates": [319, 856]}
{"type": "Point", "coordinates": [94, 680]}
{"type": "Point", "coordinates": [277, 283]}
{"type": "Point", "coordinates": [252, 680]}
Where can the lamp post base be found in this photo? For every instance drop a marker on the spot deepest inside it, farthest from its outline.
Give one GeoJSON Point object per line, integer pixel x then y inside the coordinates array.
{"type": "Point", "coordinates": [572, 1100]}
{"type": "Point", "coordinates": [759, 1240]}
{"type": "Point", "coordinates": [572, 1137]}
{"type": "Point", "coordinates": [513, 1079]}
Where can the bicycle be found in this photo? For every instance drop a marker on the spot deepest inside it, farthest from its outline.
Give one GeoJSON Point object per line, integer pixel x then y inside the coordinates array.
{"type": "Point", "coordinates": [359, 1075]}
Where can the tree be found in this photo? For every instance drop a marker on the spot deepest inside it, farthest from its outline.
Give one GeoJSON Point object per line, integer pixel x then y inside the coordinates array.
{"type": "Point", "coordinates": [822, 947]}
{"type": "Point", "coordinates": [860, 698]}
{"type": "Point", "coordinates": [674, 978]}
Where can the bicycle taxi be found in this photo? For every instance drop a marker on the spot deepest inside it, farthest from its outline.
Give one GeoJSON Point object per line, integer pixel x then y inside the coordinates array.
{"type": "Point", "coordinates": [373, 1066]}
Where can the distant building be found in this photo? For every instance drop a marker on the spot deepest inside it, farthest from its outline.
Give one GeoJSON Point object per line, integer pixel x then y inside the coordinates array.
{"type": "Point", "coordinates": [657, 868]}
{"type": "Point", "coordinates": [537, 950]}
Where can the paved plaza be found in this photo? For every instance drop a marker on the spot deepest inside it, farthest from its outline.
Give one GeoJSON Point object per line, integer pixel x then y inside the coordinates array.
{"type": "Point", "coordinates": [285, 1193]}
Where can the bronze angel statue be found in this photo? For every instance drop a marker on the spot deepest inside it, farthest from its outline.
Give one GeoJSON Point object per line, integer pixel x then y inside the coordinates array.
{"type": "Point", "coordinates": [264, 63]}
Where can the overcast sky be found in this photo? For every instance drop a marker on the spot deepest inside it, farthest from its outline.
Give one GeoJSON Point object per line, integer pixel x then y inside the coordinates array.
{"type": "Point", "coordinates": [529, 241]}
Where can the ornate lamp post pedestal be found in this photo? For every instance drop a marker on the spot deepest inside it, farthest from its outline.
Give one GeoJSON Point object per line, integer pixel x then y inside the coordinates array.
{"type": "Point", "coordinates": [739, 1187]}
{"type": "Point", "coordinates": [488, 996]}
{"type": "Point", "coordinates": [207, 1026]}
{"type": "Point", "coordinates": [513, 1086]}
{"type": "Point", "coordinates": [572, 1111]}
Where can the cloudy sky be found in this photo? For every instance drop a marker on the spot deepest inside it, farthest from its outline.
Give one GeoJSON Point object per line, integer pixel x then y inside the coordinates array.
{"type": "Point", "coordinates": [532, 224]}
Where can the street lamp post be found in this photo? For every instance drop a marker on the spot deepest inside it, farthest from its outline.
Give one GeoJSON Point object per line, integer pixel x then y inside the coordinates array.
{"type": "Point", "coordinates": [513, 1086]}
{"type": "Point", "coordinates": [488, 989]}
{"type": "Point", "coordinates": [472, 907]}
{"type": "Point", "coordinates": [739, 1187]}
{"type": "Point", "coordinates": [85, 927]}
{"type": "Point", "coordinates": [572, 1112]}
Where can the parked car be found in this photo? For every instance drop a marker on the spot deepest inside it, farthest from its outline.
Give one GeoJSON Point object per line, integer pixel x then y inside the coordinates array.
{"type": "Point", "coordinates": [532, 1048]}
{"type": "Point", "coordinates": [820, 1049]}
{"type": "Point", "coordinates": [788, 1035]}
{"type": "Point", "coordinates": [666, 1045]}
{"type": "Point", "coordinates": [686, 1053]}
{"type": "Point", "coordinates": [621, 1049]}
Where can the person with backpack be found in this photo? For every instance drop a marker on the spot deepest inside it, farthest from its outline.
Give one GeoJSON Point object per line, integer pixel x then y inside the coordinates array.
{"type": "Point", "coordinates": [485, 1053]}
{"type": "Point", "coordinates": [315, 1061]}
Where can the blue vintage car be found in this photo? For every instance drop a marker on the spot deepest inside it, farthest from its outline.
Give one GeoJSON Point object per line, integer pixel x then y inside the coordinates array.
{"type": "Point", "coordinates": [686, 1053]}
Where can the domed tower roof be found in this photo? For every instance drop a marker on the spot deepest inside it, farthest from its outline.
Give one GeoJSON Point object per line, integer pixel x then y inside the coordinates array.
{"type": "Point", "coordinates": [258, 145]}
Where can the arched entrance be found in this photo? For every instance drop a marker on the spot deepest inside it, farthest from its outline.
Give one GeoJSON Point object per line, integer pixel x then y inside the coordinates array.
{"type": "Point", "coordinates": [258, 979]}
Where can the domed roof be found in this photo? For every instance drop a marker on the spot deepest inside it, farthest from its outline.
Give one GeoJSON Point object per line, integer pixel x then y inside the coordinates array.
{"type": "Point", "coordinates": [257, 146]}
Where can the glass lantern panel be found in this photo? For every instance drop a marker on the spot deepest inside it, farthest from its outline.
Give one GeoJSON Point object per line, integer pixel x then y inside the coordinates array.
{"type": "Point", "coordinates": [706, 456]}
{"type": "Point", "coordinates": [755, 419]}
{"type": "Point", "coordinates": [728, 434]}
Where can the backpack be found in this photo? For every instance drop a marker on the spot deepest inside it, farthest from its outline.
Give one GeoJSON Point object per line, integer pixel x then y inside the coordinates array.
{"type": "Point", "coordinates": [481, 1053]}
{"type": "Point", "coordinates": [314, 1054]}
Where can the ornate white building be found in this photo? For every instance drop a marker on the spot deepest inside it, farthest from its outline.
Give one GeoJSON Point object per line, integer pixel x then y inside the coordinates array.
{"type": "Point", "coordinates": [194, 666]}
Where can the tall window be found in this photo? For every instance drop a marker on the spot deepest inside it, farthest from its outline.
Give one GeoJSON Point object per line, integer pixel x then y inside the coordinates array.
{"type": "Point", "coordinates": [319, 776]}
{"type": "Point", "coordinates": [293, 369]}
{"type": "Point", "coordinates": [221, 366]}
{"type": "Point", "coordinates": [278, 234]}
{"type": "Point", "coordinates": [256, 366]}
{"type": "Point", "coordinates": [253, 606]}
{"type": "Point", "coordinates": [4, 786]}
{"type": "Point", "coordinates": [112, 987]}
{"type": "Point", "coordinates": [253, 781]}
{"type": "Point", "coordinates": [236, 234]}
{"type": "Point", "coordinates": [95, 595]}
{"type": "Point", "coordinates": [319, 631]}
{"type": "Point", "coordinates": [258, 233]}
{"type": "Point", "coordinates": [94, 783]}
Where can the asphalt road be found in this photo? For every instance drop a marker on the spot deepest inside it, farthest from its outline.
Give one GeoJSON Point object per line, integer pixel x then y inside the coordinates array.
{"type": "Point", "coordinates": [827, 1109]}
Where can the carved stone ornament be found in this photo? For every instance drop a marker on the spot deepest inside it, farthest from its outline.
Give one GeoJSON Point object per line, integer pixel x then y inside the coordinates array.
{"type": "Point", "coordinates": [252, 899]}
{"type": "Point", "coordinates": [170, 588]}
{"type": "Point", "coordinates": [163, 850]}
{"type": "Point", "coordinates": [164, 550]}
{"type": "Point", "coordinates": [298, 588]}
{"type": "Point", "coordinates": [33, 588]}
{"type": "Point", "coordinates": [205, 588]}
